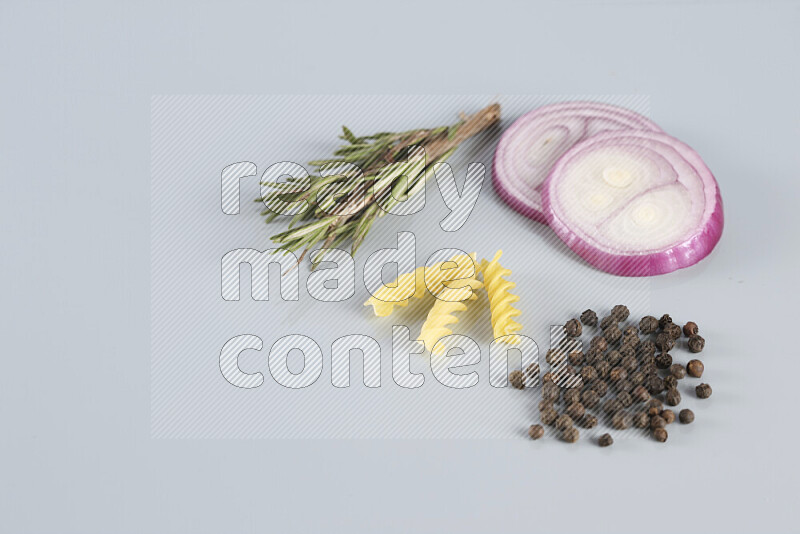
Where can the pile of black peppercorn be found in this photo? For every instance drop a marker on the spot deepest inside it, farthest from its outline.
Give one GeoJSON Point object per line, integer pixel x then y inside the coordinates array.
{"type": "Point", "coordinates": [624, 376]}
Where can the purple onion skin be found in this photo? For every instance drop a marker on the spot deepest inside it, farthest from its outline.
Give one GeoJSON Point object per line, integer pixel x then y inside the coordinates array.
{"type": "Point", "coordinates": [515, 203]}
{"type": "Point", "coordinates": [644, 122]}
{"type": "Point", "coordinates": [525, 208]}
{"type": "Point", "coordinates": [682, 255]}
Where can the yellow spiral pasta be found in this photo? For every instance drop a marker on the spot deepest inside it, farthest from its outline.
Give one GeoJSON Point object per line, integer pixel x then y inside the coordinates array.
{"type": "Point", "coordinates": [442, 315]}
{"type": "Point", "coordinates": [414, 284]}
{"type": "Point", "coordinates": [501, 299]}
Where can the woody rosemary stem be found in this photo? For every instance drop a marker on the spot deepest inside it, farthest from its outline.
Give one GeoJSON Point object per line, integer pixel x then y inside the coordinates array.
{"type": "Point", "coordinates": [342, 198]}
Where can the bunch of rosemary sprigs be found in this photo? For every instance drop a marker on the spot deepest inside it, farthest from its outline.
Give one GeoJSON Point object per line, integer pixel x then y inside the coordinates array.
{"type": "Point", "coordinates": [367, 176]}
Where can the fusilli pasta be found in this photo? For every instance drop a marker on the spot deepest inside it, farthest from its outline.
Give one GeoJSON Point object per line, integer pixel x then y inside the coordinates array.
{"type": "Point", "coordinates": [442, 313]}
{"type": "Point", "coordinates": [501, 300]}
{"type": "Point", "coordinates": [416, 283]}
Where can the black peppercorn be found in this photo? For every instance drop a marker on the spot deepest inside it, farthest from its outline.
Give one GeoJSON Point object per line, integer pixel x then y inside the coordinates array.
{"type": "Point", "coordinates": [640, 394]}
{"type": "Point", "coordinates": [611, 406]}
{"type": "Point", "coordinates": [589, 318]}
{"type": "Point", "coordinates": [673, 331]}
{"type": "Point", "coordinates": [612, 334]}
{"type": "Point", "coordinates": [670, 382]}
{"type": "Point", "coordinates": [678, 371]}
{"type": "Point", "coordinates": [550, 392]}
{"type": "Point", "coordinates": [686, 416]}
{"type": "Point", "coordinates": [654, 385]}
{"type": "Point", "coordinates": [629, 363]}
{"type": "Point", "coordinates": [629, 341]}
{"type": "Point", "coordinates": [570, 435]}
{"type": "Point", "coordinates": [573, 328]}
{"type": "Point", "coordinates": [605, 440]}
{"type": "Point", "coordinates": [567, 377]}
{"type": "Point", "coordinates": [695, 368]}
{"type": "Point", "coordinates": [621, 312]}
{"type": "Point", "coordinates": [690, 329]}
{"type": "Point", "coordinates": [545, 405]}
{"type": "Point", "coordinates": [575, 410]}
{"type": "Point", "coordinates": [664, 321]}
{"type": "Point", "coordinates": [617, 373]}
{"type": "Point", "coordinates": [625, 399]}
{"type": "Point", "coordinates": [641, 420]}
{"type": "Point", "coordinates": [548, 416]}
{"type": "Point", "coordinates": [532, 372]}
{"type": "Point", "coordinates": [624, 385]}
{"type": "Point", "coordinates": [703, 391]}
{"type": "Point", "coordinates": [657, 421]}
{"type": "Point", "coordinates": [571, 395]}
{"type": "Point", "coordinates": [608, 321]}
{"type": "Point", "coordinates": [673, 397]}
{"type": "Point", "coordinates": [547, 377]}
{"type": "Point", "coordinates": [663, 360]}
{"type": "Point", "coordinates": [590, 399]}
{"type": "Point", "coordinates": [603, 368]}
{"type": "Point", "coordinates": [660, 434]}
{"type": "Point", "coordinates": [569, 344]}
{"type": "Point", "coordinates": [563, 422]}
{"type": "Point", "coordinates": [575, 358]}
{"type": "Point", "coordinates": [620, 420]}
{"type": "Point", "coordinates": [627, 351]}
{"type": "Point", "coordinates": [649, 367]}
{"type": "Point", "coordinates": [593, 355]}
{"type": "Point", "coordinates": [536, 431]}
{"type": "Point", "coordinates": [648, 324]}
{"type": "Point", "coordinates": [647, 348]}
{"type": "Point", "coordinates": [637, 378]}
{"type": "Point", "coordinates": [696, 343]}
{"type": "Point", "coordinates": [601, 388]}
{"type": "Point", "coordinates": [517, 379]}
{"type": "Point", "coordinates": [588, 374]}
{"type": "Point", "coordinates": [613, 357]}
{"type": "Point", "coordinates": [668, 416]}
{"type": "Point", "coordinates": [599, 342]}
{"type": "Point", "coordinates": [664, 342]}
{"type": "Point", "coordinates": [555, 357]}
{"type": "Point", "coordinates": [588, 421]}
{"type": "Point", "coordinates": [654, 407]}
{"type": "Point", "coordinates": [631, 331]}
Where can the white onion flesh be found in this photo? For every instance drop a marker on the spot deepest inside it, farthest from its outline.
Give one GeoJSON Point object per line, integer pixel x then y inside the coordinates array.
{"type": "Point", "coordinates": [634, 203]}
{"type": "Point", "coordinates": [531, 146]}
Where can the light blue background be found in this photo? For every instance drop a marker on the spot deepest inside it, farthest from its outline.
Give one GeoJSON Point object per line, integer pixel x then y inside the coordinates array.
{"type": "Point", "coordinates": [77, 80]}
{"type": "Point", "coordinates": [194, 137]}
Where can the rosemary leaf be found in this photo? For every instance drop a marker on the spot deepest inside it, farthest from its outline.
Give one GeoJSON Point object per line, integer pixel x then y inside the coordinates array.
{"type": "Point", "coordinates": [345, 205]}
{"type": "Point", "coordinates": [349, 135]}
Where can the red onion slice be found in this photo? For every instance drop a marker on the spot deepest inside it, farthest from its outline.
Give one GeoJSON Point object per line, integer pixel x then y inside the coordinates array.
{"type": "Point", "coordinates": [530, 147]}
{"type": "Point", "coordinates": [634, 203]}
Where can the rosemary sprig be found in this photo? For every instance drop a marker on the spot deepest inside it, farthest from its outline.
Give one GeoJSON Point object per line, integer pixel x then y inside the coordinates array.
{"type": "Point", "coordinates": [345, 205]}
